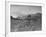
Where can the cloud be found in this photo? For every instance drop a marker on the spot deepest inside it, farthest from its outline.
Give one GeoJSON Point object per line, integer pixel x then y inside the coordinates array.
{"type": "Point", "coordinates": [23, 10]}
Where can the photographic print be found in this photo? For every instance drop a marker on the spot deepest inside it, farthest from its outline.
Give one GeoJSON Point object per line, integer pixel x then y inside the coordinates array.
{"type": "Point", "coordinates": [25, 18]}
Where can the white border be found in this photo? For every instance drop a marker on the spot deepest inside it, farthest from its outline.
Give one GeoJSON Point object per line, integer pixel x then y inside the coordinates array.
{"type": "Point", "coordinates": [23, 33]}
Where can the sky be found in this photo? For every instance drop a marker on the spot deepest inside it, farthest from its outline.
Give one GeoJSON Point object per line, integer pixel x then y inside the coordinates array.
{"type": "Point", "coordinates": [21, 10]}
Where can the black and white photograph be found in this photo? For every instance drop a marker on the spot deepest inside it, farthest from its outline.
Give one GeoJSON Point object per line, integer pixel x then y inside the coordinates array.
{"type": "Point", "coordinates": [25, 18]}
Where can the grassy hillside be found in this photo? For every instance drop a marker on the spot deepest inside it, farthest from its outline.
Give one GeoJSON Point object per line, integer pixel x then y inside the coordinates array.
{"type": "Point", "coordinates": [29, 23]}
